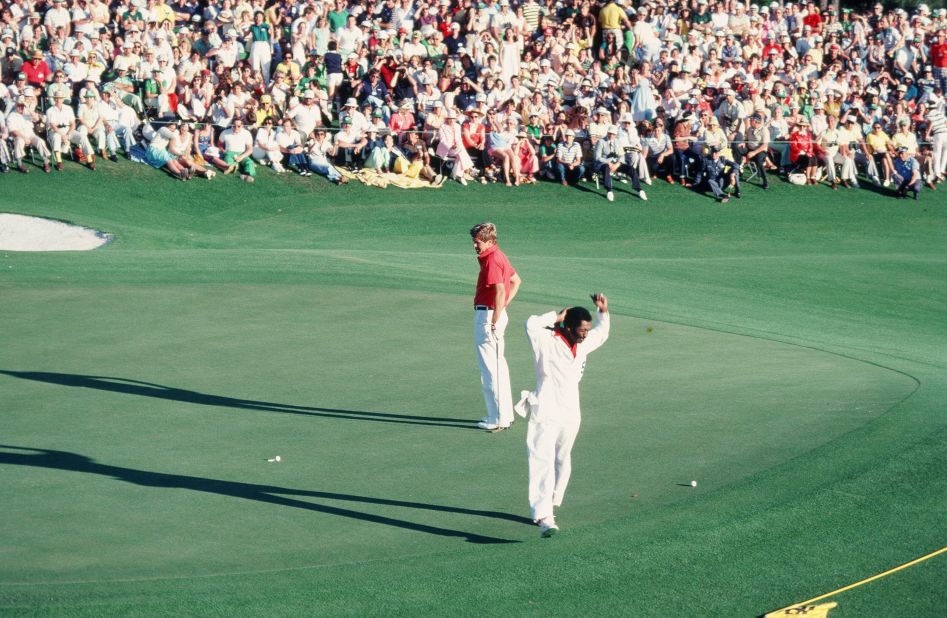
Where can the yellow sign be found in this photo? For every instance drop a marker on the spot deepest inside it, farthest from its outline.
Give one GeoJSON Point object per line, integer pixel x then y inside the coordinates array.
{"type": "Point", "coordinates": [809, 611]}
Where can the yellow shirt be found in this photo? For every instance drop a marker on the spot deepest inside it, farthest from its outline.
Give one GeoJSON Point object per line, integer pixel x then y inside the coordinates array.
{"type": "Point", "coordinates": [878, 142]}
{"type": "Point", "coordinates": [164, 12]}
{"type": "Point", "coordinates": [610, 17]}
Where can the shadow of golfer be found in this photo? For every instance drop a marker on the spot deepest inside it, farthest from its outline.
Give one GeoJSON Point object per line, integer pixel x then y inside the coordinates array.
{"type": "Point", "coordinates": [282, 496]}
{"type": "Point", "coordinates": [158, 391]}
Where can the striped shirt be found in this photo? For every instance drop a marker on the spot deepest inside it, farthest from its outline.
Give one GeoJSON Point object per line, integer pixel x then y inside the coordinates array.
{"type": "Point", "coordinates": [531, 12]}
{"type": "Point", "coordinates": [569, 154]}
{"type": "Point", "coordinates": [937, 121]}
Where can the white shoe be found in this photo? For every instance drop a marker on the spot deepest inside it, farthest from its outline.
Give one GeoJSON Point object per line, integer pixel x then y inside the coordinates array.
{"type": "Point", "coordinates": [462, 181]}
{"type": "Point", "coordinates": [547, 527]}
{"type": "Point", "coordinates": [886, 183]}
{"type": "Point", "coordinates": [610, 196]}
{"type": "Point", "coordinates": [643, 195]}
{"type": "Point", "coordinates": [647, 181]}
{"type": "Point", "coordinates": [623, 180]}
{"type": "Point", "coordinates": [492, 427]}
{"type": "Point", "coordinates": [438, 180]}
{"type": "Point", "coordinates": [211, 174]}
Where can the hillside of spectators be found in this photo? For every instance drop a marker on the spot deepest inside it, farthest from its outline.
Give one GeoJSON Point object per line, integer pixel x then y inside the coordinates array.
{"type": "Point", "coordinates": [703, 94]}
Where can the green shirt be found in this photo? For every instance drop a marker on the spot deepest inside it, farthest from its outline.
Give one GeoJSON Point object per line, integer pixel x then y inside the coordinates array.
{"type": "Point", "coordinates": [337, 19]}
{"type": "Point", "coordinates": [699, 20]}
{"type": "Point", "coordinates": [260, 33]}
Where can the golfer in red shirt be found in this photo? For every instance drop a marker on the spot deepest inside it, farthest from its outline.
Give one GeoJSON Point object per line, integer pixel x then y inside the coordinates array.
{"type": "Point", "coordinates": [496, 287]}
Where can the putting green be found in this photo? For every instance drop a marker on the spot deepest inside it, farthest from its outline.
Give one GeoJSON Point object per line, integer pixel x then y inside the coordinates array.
{"type": "Point", "coordinates": [795, 368]}
{"type": "Point", "coordinates": [137, 443]}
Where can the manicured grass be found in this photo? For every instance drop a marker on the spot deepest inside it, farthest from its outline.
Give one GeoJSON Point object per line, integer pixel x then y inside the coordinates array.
{"type": "Point", "coordinates": [785, 350]}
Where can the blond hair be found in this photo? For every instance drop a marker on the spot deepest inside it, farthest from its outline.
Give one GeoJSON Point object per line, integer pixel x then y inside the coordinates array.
{"type": "Point", "coordinates": [485, 231]}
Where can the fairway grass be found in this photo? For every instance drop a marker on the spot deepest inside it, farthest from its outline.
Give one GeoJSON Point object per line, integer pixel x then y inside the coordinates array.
{"type": "Point", "coordinates": [786, 351]}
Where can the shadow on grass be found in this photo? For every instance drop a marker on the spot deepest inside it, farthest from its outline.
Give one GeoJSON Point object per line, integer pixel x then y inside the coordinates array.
{"type": "Point", "coordinates": [158, 391]}
{"type": "Point", "coordinates": [282, 496]}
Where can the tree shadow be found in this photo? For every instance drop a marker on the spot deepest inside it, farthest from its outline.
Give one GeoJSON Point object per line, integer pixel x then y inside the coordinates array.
{"type": "Point", "coordinates": [282, 496]}
{"type": "Point", "coordinates": [158, 391]}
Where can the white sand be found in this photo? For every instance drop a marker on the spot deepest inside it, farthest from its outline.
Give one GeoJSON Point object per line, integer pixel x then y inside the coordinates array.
{"type": "Point", "coordinates": [22, 233]}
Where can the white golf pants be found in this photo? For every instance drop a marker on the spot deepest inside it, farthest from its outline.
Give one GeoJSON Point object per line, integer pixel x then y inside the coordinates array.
{"type": "Point", "coordinates": [549, 446]}
{"type": "Point", "coordinates": [939, 149]}
{"type": "Point", "coordinates": [846, 164]}
{"type": "Point", "coordinates": [494, 372]}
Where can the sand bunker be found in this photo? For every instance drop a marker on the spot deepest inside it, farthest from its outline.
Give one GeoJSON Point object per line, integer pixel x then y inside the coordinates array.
{"type": "Point", "coordinates": [22, 233]}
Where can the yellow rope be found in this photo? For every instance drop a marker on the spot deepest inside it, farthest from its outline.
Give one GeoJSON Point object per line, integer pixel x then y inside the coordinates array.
{"type": "Point", "coordinates": [864, 581]}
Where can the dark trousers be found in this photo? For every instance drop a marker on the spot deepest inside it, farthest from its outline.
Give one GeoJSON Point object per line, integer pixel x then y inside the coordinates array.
{"type": "Point", "coordinates": [573, 176]}
{"type": "Point", "coordinates": [719, 185]}
{"type": "Point", "coordinates": [632, 171]}
{"type": "Point", "coordinates": [682, 160]}
{"type": "Point", "coordinates": [906, 185]}
{"type": "Point", "coordinates": [606, 172]}
{"type": "Point", "coordinates": [666, 168]}
{"type": "Point", "coordinates": [759, 161]}
{"type": "Point", "coordinates": [349, 158]}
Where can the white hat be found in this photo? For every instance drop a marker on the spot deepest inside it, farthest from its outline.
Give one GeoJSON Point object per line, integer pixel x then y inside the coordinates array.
{"type": "Point", "coordinates": [626, 117]}
{"type": "Point", "coordinates": [613, 130]}
{"type": "Point", "coordinates": [309, 94]}
{"type": "Point", "coordinates": [569, 132]}
{"type": "Point", "coordinates": [451, 115]}
{"type": "Point", "coordinates": [545, 62]}
{"type": "Point", "coordinates": [351, 102]}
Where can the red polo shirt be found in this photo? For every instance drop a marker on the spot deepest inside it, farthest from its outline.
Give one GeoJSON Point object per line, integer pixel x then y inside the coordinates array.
{"type": "Point", "coordinates": [494, 269]}
{"type": "Point", "coordinates": [938, 55]}
{"type": "Point", "coordinates": [36, 74]}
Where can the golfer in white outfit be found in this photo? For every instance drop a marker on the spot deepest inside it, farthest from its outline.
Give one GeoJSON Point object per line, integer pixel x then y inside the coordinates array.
{"type": "Point", "coordinates": [561, 342]}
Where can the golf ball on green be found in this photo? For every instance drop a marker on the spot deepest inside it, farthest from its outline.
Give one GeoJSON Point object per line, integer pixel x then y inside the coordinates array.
{"type": "Point", "coordinates": [693, 483]}
{"type": "Point", "coordinates": [277, 458]}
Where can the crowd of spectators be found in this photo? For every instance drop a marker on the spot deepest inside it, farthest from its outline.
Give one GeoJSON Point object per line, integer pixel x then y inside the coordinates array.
{"type": "Point", "coordinates": [694, 92]}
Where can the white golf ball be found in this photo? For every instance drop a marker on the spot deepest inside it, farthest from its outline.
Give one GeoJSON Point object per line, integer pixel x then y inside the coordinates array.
{"type": "Point", "coordinates": [277, 458]}
{"type": "Point", "coordinates": [693, 483]}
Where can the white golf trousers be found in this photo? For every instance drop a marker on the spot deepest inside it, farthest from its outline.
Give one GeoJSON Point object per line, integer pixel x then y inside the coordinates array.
{"type": "Point", "coordinates": [494, 372]}
{"type": "Point", "coordinates": [549, 446]}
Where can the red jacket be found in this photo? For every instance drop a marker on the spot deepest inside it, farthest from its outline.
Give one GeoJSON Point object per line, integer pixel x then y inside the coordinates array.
{"type": "Point", "coordinates": [800, 142]}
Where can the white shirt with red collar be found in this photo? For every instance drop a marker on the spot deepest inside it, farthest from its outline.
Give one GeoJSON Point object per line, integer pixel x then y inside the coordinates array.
{"type": "Point", "coordinates": [559, 368]}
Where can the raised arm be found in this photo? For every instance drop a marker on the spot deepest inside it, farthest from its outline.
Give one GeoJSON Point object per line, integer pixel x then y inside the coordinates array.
{"type": "Point", "coordinates": [599, 333]}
